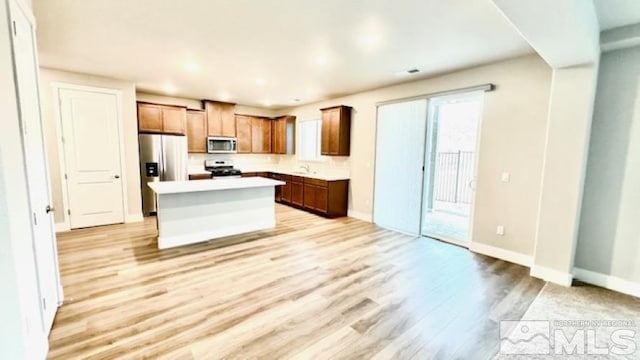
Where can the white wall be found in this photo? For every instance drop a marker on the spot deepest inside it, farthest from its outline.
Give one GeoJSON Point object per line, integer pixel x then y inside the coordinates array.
{"type": "Point", "coordinates": [609, 236]}
{"type": "Point", "coordinates": [133, 202]}
{"type": "Point", "coordinates": [513, 133]}
{"type": "Point", "coordinates": [568, 131]}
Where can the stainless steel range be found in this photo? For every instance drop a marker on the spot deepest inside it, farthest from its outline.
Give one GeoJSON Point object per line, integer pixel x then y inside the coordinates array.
{"type": "Point", "coordinates": [222, 169]}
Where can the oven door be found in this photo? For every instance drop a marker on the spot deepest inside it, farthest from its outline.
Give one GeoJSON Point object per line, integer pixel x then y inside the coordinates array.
{"type": "Point", "coordinates": [218, 145]}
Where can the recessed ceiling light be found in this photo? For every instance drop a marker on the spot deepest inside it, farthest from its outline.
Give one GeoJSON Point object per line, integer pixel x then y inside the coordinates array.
{"type": "Point", "coordinates": [296, 100]}
{"type": "Point", "coordinates": [369, 40]}
{"type": "Point", "coordinates": [321, 60]}
{"type": "Point", "coordinates": [169, 88]}
{"type": "Point", "coordinates": [191, 67]}
{"type": "Point", "coordinates": [260, 81]}
{"type": "Point", "coordinates": [267, 103]}
{"type": "Point", "coordinates": [224, 96]}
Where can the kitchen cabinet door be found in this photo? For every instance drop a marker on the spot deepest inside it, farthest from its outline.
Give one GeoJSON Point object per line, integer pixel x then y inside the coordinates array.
{"type": "Point", "coordinates": [260, 135]}
{"type": "Point", "coordinates": [220, 118]}
{"type": "Point", "coordinates": [283, 135]}
{"type": "Point", "coordinates": [266, 135]}
{"type": "Point", "coordinates": [309, 197]}
{"type": "Point", "coordinates": [174, 120]}
{"type": "Point", "coordinates": [149, 118]}
{"type": "Point", "coordinates": [285, 194]}
{"type": "Point", "coordinates": [321, 199]}
{"type": "Point", "coordinates": [228, 119]}
{"type": "Point", "coordinates": [243, 130]}
{"type": "Point", "coordinates": [297, 193]}
{"type": "Point", "coordinates": [196, 131]}
{"type": "Point", "coordinates": [336, 131]}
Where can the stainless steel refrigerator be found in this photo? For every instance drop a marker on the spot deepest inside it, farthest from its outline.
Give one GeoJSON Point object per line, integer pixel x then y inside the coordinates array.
{"type": "Point", "coordinates": [162, 158]}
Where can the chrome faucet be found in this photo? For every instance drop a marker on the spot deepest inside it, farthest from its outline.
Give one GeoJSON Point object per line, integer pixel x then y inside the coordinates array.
{"type": "Point", "coordinates": [306, 168]}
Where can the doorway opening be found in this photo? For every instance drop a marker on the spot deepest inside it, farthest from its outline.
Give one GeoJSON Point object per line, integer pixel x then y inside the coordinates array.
{"type": "Point", "coordinates": [450, 166]}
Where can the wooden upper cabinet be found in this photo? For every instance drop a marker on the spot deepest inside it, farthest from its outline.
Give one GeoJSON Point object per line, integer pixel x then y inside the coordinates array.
{"type": "Point", "coordinates": [174, 120]}
{"type": "Point", "coordinates": [149, 118]}
{"type": "Point", "coordinates": [260, 135]}
{"type": "Point", "coordinates": [154, 118]}
{"type": "Point", "coordinates": [336, 131]}
{"type": "Point", "coordinates": [221, 119]}
{"type": "Point", "coordinates": [243, 132]}
{"type": "Point", "coordinates": [283, 135]}
{"type": "Point", "coordinates": [197, 131]}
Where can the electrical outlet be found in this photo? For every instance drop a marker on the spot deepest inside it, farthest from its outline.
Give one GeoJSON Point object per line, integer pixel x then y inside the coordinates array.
{"type": "Point", "coordinates": [500, 230]}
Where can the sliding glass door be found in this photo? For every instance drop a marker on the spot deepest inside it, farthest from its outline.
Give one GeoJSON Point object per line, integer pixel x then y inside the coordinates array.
{"type": "Point", "coordinates": [450, 156]}
{"type": "Point", "coordinates": [426, 165]}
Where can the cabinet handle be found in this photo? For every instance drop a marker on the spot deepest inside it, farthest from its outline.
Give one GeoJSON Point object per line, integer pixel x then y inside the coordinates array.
{"type": "Point", "coordinates": [116, 176]}
{"type": "Point", "coordinates": [49, 209]}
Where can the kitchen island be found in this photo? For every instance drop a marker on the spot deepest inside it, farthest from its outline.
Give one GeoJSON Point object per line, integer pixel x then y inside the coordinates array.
{"type": "Point", "coordinates": [195, 211]}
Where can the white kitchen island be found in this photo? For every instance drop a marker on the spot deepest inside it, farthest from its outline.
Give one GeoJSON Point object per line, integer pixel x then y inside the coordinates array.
{"type": "Point", "coordinates": [195, 211]}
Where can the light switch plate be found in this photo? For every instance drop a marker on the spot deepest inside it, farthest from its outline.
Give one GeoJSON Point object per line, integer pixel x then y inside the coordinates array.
{"type": "Point", "coordinates": [500, 230]}
{"type": "Point", "coordinates": [506, 177]}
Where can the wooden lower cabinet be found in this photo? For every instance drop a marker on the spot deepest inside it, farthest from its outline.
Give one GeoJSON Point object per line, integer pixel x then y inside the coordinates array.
{"type": "Point", "coordinates": [199, 176]}
{"type": "Point", "coordinates": [254, 174]}
{"type": "Point", "coordinates": [285, 190]}
{"type": "Point", "coordinates": [297, 192]}
{"type": "Point", "coordinates": [326, 198]}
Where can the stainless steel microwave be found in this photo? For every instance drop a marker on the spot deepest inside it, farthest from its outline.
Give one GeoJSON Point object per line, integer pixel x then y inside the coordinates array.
{"type": "Point", "coordinates": [222, 145]}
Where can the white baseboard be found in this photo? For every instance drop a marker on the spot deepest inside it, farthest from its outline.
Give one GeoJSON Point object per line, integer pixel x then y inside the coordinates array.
{"type": "Point", "coordinates": [360, 215]}
{"type": "Point", "coordinates": [608, 281]}
{"type": "Point", "coordinates": [551, 275]}
{"type": "Point", "coordinates": [61, 227]}
{"type": "Point", "coordinates": [502, 254]}
{"type": "Point", "coordinates": [131, 218]}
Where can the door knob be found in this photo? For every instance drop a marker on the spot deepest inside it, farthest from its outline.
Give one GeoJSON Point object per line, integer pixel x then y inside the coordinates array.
{"type": "Point", "coordinates": [49, 209]}
{"type": "Point", "coordinates": [116, 176]}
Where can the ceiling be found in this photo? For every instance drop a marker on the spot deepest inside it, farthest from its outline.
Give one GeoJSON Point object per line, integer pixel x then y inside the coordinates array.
{"type": "Point", "coordinates": [270, 52]}
{"type": "Point", "coordinates": [616, 13]}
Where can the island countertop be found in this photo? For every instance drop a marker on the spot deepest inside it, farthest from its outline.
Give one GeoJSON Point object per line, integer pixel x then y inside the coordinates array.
{"type": "Point", "coordinates": [174, 187]}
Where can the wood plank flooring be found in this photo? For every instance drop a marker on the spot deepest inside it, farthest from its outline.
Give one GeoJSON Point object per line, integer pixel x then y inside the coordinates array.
{"type": "Point", "coordinates": [311, 288]}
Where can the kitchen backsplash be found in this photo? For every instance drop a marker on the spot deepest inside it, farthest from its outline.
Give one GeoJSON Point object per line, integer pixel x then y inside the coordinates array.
{"type": "Point", "coordinates": [255, 162]}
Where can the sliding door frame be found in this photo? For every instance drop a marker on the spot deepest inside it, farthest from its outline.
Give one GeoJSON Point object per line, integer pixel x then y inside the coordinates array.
{"type": "Point", "coordinates": [481, 89]}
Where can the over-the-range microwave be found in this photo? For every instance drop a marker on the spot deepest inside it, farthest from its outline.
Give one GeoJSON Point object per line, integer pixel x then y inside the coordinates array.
{"type": "Point", "coordinates": [222, 145]}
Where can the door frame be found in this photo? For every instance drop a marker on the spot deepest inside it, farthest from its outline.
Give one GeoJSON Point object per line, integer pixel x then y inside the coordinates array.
{"type": "Point", "coordinates": [56, 87]}
{"type": "Point", "coordinates": [472, 214]}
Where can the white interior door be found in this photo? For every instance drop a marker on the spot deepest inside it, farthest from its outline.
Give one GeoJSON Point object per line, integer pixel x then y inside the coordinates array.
{"type": "Point", "coordinates": [399, 161]}
{"type": "Point", "coordinates": [44, 238]}
{"type": "Point", "coordinates": [92, 157]}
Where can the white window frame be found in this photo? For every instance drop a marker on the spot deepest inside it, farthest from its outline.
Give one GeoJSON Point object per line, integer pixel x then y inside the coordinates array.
{"type": "Point", "coordinates": [302, 155]}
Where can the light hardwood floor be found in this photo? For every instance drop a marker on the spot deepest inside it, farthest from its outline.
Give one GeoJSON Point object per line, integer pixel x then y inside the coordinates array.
{"type": "Point", "coordinates": [310, 288]}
